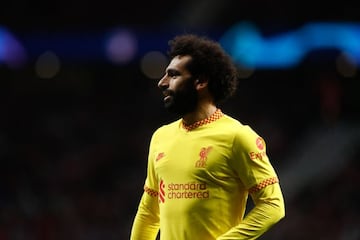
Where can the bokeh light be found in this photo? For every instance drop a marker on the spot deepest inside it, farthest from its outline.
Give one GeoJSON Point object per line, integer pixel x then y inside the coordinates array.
{"type": "Point", "coordinates": [47, 65]}
{"type": "Point", "coordinates": [153, 64]}
{"type": "Point", "coordinates": [12, 53]}
{"type": "Point", "coordinates": [121, 47]}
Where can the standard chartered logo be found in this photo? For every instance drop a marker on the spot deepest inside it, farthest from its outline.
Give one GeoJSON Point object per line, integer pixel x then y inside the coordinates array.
{"type": "Point", "coordinates": [162, 191]}
{"type": "Point", "coordinates": [187, 191]}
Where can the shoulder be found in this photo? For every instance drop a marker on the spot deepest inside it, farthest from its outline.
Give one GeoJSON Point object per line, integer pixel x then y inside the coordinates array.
{"type": "Point", "coordinates": [235, 125]}
{"type": "Point", "coordinates": [166, 129]}
{"type": "Point", "coordinates": [241, 132]}
{"type": "Point", "coordinates": [245, 140]}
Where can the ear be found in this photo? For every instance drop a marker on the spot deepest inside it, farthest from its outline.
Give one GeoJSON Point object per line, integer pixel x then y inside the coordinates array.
{"type": "Point", "coordinates": [201, 83]}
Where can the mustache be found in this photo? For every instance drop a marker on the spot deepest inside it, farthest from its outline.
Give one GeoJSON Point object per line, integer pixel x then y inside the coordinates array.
{"type": "Point", "coordinates": [167, 92]}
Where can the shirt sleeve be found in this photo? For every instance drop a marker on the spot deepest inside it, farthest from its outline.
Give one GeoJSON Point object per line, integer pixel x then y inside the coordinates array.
{"type": "Point", "coordinates": [259, 177]}
{"type": "Point", "coordinates": [269, 209]}
{"type": "Point", "coordinates": [250, 160]}
{"type": "Point", "coordinates": [147, 219]}
{"type": "Point", "coordinates": [146, 223]}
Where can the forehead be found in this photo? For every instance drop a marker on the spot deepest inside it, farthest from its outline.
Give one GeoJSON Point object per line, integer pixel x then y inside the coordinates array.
{"type": "Point", "coordinates": [179, 62]}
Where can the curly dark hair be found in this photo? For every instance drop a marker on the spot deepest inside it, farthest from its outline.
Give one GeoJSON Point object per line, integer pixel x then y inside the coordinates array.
{"type": "Point", "coordinates": [210, 60]}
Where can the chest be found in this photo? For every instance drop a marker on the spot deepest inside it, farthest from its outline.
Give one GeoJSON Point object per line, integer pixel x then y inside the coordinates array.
{"type": "Point", "coordinates": [193, 158]}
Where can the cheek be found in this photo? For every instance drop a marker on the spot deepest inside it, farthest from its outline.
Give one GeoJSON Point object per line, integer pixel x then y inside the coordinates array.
{"type": "Point", "coordinates": [183, 85]}
{"type": "Point", "coordinates": [175, 86]}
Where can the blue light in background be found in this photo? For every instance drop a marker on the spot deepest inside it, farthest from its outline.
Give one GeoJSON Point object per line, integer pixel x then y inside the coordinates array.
{"type": "Point", "coordinates": [246, 45]}
{"type": "Point", "coordinates": [12, 53]}
{"type": "Point", "coordinates": [243, 41]}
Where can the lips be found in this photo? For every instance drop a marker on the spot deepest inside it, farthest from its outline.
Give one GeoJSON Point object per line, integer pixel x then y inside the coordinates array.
{"type": "Point", "coordinates": [167, 98]}
{"type": "Point", "coordinates": [167, 95]}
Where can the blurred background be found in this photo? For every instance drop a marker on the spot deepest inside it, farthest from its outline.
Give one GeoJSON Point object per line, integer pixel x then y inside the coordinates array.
{"type": "Point", "coordinates": [79, 104]}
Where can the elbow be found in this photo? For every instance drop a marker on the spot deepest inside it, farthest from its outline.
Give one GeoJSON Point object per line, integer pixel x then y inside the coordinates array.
{"type": "Point", "coordinates": [280, 211]}
{"type": "Point", "coordinates": [277, 210]}
{"type": "Point", "coordinates": [280, 206]}
{"type": "Point", "coordinates": [277, 214]}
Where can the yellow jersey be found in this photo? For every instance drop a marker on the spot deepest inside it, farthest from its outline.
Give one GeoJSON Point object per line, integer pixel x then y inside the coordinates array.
{"type": "Point", "coordinates": [199, 178]}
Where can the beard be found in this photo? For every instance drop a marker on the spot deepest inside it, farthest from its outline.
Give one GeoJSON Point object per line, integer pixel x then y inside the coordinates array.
{"type": "Point", "coordinates": [182, 101]}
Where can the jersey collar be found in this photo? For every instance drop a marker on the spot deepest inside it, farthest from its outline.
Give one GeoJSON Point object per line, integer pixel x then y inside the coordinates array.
{"type": "Point", "coordinates": [212, 118]}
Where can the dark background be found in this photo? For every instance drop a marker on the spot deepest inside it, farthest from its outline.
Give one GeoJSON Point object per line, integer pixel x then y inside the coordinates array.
{"type": "Point", "coordinates": [73, 146]}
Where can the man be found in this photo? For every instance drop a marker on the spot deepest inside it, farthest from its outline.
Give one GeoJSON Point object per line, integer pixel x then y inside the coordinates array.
{"type": "Point", "coordinates": [202, 167]}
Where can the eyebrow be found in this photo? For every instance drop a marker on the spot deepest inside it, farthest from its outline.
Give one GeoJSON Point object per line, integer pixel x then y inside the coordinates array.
{"type": "Point", "coordinates": [172, 71]}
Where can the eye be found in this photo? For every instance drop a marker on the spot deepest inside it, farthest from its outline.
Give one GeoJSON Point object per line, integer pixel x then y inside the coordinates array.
{"type": "Point", "coordinates": [173, 73]}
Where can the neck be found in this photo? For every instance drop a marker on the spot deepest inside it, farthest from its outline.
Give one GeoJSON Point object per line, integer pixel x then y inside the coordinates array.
{"type": "Point", "coordinates": [200, 113]}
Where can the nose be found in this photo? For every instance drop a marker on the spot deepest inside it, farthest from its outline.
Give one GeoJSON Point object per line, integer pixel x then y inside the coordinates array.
{"type": "Point", "coordinates": [163, 82]}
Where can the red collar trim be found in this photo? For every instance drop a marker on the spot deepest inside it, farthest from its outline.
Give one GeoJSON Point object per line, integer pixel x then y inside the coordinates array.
{"type": "Point", "coordinates": [215, 116]}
